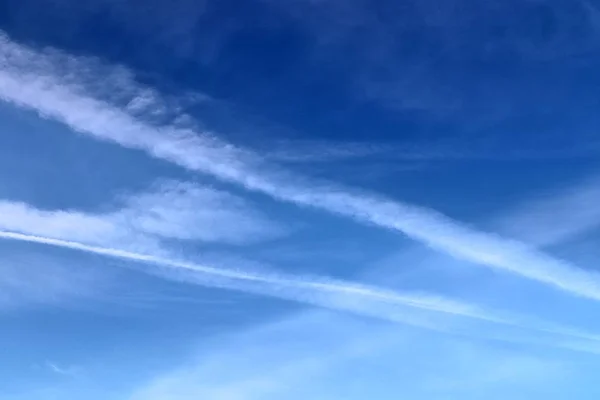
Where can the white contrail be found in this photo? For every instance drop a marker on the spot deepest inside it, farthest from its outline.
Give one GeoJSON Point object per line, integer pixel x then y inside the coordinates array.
{"type": "Point", "coordinates": [333, 294]}
{"type": "Point", "coordinates": [27, 79]}
{"type": "Point", "coordinates": [313, 290]}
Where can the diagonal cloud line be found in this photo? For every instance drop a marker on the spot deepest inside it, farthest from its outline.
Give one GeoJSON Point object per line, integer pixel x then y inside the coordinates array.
{"type": "Point", "coordinates": [556, 216]}
{"type": "Point", "coordinates": [60, 99]}
{"type": "Point", "coordinates": [346, 296]}
{"type": "Point", "coordinates": [277, 285]}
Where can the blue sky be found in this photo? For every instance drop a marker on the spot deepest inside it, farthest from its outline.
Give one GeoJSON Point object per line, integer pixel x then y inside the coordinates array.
{"type": "Point", "coordinates": [299, 199]}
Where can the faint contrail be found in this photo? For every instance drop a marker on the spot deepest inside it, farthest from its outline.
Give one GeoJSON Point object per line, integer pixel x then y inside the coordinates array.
{"type": "Point", "coordinates": [333, 294]}
{"type": "Point", "coordinates": [314, 290]}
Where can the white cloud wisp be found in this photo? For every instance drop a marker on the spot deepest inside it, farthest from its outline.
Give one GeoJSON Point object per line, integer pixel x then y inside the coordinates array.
{"type": "Point", "coordinates": [356, 298]}
{"type": "Point", "coordinates": [353, 297]}
{"type": "Point", "coordinates": [170, 210]}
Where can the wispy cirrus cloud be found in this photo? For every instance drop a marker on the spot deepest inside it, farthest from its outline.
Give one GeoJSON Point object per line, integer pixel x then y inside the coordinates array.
{"type": "Point", "coordinates": [70, 371]}
{"type": "Point", "coordinates": [320, 348]}
{"type": "Point", "coordinates": [186, 211]}
{"type": "Point", "coordinates": [555, 216]}
{"type": "Point", "coordinates": [65, 101]}
{"type": "Point", "coordinates": [269, 359]}
{"type": "Point", "coordinates": [323, 353]}
{"type": "Point", "coordinates": [20, 217]}
{"type": "Point", "coordinates": [481, 148]}
{"type": "Point", "coordinates": [169, 210]}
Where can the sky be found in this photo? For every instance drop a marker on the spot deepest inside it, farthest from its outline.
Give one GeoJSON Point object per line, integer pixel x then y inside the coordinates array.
{"type": "Point", "coordinates": [297, 199]}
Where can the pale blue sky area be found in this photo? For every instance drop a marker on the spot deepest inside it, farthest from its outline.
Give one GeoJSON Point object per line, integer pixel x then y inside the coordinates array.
{"type": "Point", "coordinates": [229, 200]}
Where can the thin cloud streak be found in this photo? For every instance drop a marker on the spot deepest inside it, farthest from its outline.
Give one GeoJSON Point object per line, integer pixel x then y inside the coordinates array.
{"type": "Point", "coordinates": [71, 371]}
{"type": "Point", "coordinates": [316, 291]}
{"type": "Point", "coordinates": [63, 101]}
{"type": "Point", "coordinates": [556, 217]}
{"type": "Point", "coordinates": [170, 210]}
{"type": "Point", "coordinates": [351, 297]}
